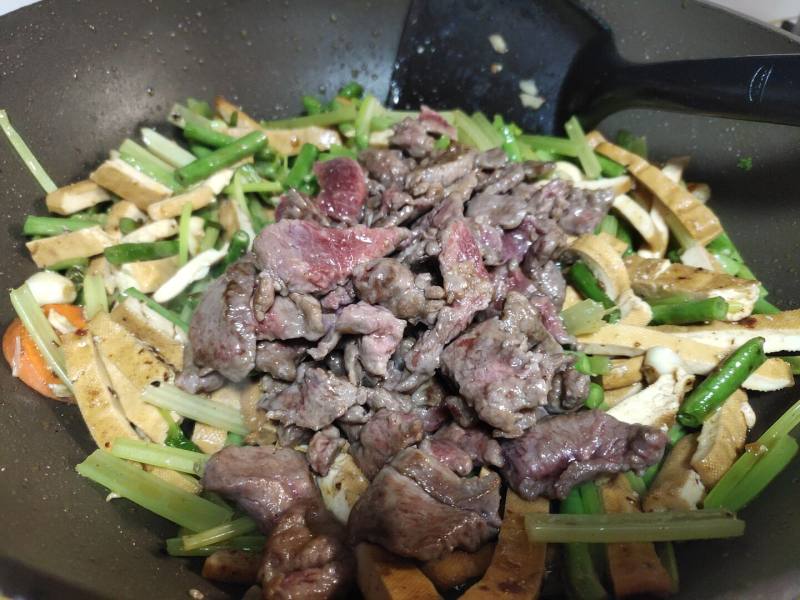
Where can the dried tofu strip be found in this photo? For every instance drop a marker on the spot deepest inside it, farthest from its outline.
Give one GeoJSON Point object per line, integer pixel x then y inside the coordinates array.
{"type": "Point", "coordinates": [781, 332]}
{"type": "Point", "coordinates": [639, 218]}
{"type": "Point", "coordinates": [677, 485]}
{"type": "Point", "coordinates": [604, 261]}
{"type": "Point", "coordinates": [700, 359]}
{"type": "Point", "coordinates": [623, 372]}
{"type": "Point", "coordinates": [458, 567]}
{"type": "Point", "coordinates": [614, 397]}
{"type": "Point", "coordinates": [688, 218]}
{"type": "Point", "coordinates": [384, 576]}
{"type": "Point", "coordinates": [634, 567]}
{"type": "Point", "coordinates": [657, 404]}
{"type": "Point", "coordinates": [515, 558]}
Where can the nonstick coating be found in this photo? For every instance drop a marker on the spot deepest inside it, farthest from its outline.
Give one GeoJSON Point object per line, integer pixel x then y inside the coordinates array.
{"type": "Point", "coordinates": [78, 77]}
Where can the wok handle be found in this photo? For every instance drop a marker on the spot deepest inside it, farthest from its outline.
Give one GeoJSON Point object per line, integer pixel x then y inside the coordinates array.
{"type": "Point", "coordinates": [753, 88]}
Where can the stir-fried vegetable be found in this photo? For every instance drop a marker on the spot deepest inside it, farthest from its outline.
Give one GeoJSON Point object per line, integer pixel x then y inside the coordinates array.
{"type": "Point", "coordinates": [583, 280]}
{"type": "Point", "coordinates": [219, 534]}
{"type": "Point", "coordinates": [690, 311]}
{"type": "Point", "coordinates": [195, 407]}
{"type": "Point", "coordinates": [185, 461]}
{"type": "Point", "coordinates": [222, 157]}
{"type": "Point", "coordinates": [245, 543]}
{"type": "Point", "coordinates": [26, 155]}
{"type": "Point", "coordinates": [125, 253]}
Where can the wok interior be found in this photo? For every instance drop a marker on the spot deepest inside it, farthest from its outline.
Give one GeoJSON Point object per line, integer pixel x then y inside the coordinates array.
{"type": "Point", "coordinates": [78, 95]}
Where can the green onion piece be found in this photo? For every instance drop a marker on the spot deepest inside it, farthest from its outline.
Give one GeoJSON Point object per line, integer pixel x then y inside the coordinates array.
{"type": "Point", "coordinates": [336, 150]}
{"type": "Point", "coordinates": [184, 233]}
{"type": "Point", "coordinates": [149, 164]}
{"type": "Point", "coordinates": [70, 263]}
{"type": "Point", "coordinates": [692, 311]}
{"type": "Point", "coordinates": [39, 328]}
{"type": "Point", "coordinates": [762, 307]}
{"type": "Point", "coordinates": [246, 543]}
{"type": "Point", "coordinates": [26, 155]}
{"type": "Point", "coordinates": [340, 114]}
{"type": "Point", "coordinates": [125, 253]}
{"type": "Point", "coordinates": [234, 439]}
{"type": "Point", "coordinates": [369, 108]}
{"type": "Point", "coordinates": [595, 397]}
{"type": "Point", "coordinates": [95, 299]}
{"type": "Point", "coordinates": [302, 166]}
{"type": "Point", "coordinates": [632, 527]}
{"type": "Point", "coordinates": [148, 453]}
{"type": "Point", "coordinates": [48, 226]}
{"type": "Point", "coordinates": [584, 281]}
{"type": "Point", "coordinates": [147, 490]}
{"type": "Point", "coordinates": [351, 90]}
{"type": "Point", "coordinates": [220, 533]}
{"type": "Point", "coordinates": [608, 167]}
{"type": "Point", "coordinates": [222, 157]}
{"type": "Point", "coordinates": [165, 148]}
{"type": "Point", "coordinates": [442, 143]}
{"type": "Point", "coordinates": [581, 573]}
{"type": "Point", "coordinates": [152, 304]}
{"type": "Point", "coordinates": [195, 407]}
{"type": "Point", "coordinates": [719, 385]}
{"type": "Point", "coordinates": [583, 318]}
{"type": "Point", "coordinates": [586, 156]}
{"type": "Point", "coordinates": [633, 143]}
{"type": "Point", "coordinates": [599, 365]}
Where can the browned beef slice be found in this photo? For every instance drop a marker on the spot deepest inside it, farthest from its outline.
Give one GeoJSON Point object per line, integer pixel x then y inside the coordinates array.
{"type": "Point", "coordinates": [308, 258]}
{"type": "Point", "coordinates": [263, 481]}
{"type": "Point", "coordinates": [294, 205]}
{"type": "Point", "coordinates": [383, 436]}
{"type": "Point", "coordinates": [388, 167]}
{"type": "Point", "coordinates": [344, 189]}
{"type": "Point", "coordinates": [323, 448]}
{"type": "Point", "coordinates": [293, 317]}
{"type": "Point", "coordinates": [449, 454]}
{"type": "Point", "coordinates": [474, 442]}
{"type": "Point", "coordinates": [563, 451]}
{"type": "Point", "coordinates": [279, 359]}
{"type": "Point", "coordinates": [222, 332]}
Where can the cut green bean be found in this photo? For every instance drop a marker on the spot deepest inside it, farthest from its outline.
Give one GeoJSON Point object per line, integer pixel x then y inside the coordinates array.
{"type": "Point", "coordinates": [311, 105]}
{"type": "Point", "coordinates": [586, 156]}
{"type": "Point", "coordinates": [609, 224]}
{"type": "Point", "coordinates": [199, 150]}
{"type": "Point", "coordinates": [26, 155]}
{"type": "Point", "coordinates": [303, 164]}
{"type": "Point", "coordinates": [584, 281]}
{"type": "Point", "coordinates": [245, 543]}
{"type": "Point", "coordinates": [351, 90]}
{"type": "Point", "coordinates": [95, 299]}
{"type": "Point", "coordinates": [763, 307]}
{"type": "Point", "coordinates": [70, 263]}
{"type": "Point", "coordinates": [157, 455]}
{"type": "Point", "coordinates": [147, 490]}
{"type": "Point", "coordinates": [595, 397]}
{"type": "Point", "coordinates": [48, 226]}
{"type": "Point", "coordinates": [200, 107]}
{"type": "Point", "coordinates": [222, 157]}
{"type": "Point", "coordinates": [237, 247]}
{"type": "Point", "coordinates": [794, 362]}
{"type": "Point", "coordinates": [155, 306]}
{"type": "Point", "coordinates": [636, 482]}
{"type": "Point", "coordinates": [128, 225]}
{"type": "Point", "coordinates": [219, 534]}
{"type": "Point", "coordinates": [340, 114]}
{"type": "Point", "coordinates": [719, 385]}
{"type": "Point", "coordinates": [200, 409]}
{"type": "Point", "coordinates": [180, 115]}
{"type": "Point", "coordinates": [125, 253]}
{"type": "Point", "coordinates": [581, 573]}
{"type": "Point", "coordinates": [510, 144]}
{"type": "Point", "coordinates": [210, 138]}
{"type": "Point", "coordinates": [599, 365]}
{"type": "Point", "coordinates": [632, 527]}
{"type": "Point", "coordinates": [692, 311]}
{"type": "Point", "coordinates": [633, 143]}
{"type": "Point", "coordinates": [165, 148]}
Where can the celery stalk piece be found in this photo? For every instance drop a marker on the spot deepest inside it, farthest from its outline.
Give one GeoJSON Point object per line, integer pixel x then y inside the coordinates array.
{"type": "Point", "coordinates": [154, 494]}
{"type": "Point", "coordinates": [246, 543]}
{"type": "Point", "coordinates": [157, 455]}
{"type": "Point", "coordinates": [582, 576]}
{"type": "Point", "coordinates": [184, 233]}
{"type": "Point", "coordinates": [220, 533]}
{"type": "Point", "coordinates": [37, 325]}
{"type": "Point", "coordinates": [48, 226]}
{"type": "Point", "coordinates": [718, 495]}
{"type": "Point", "coordinates": [26, 155]}
{"type": "Point", "coordinates": [584, 317]}
{"type": "Point", "coordinates": [586, 156]}
{"type": "Point", "coordinates": [783, 426]}
{"type": "Point", "coordinates": [149, 164]}
{"type": "Point", "coordinates": [632, 527]}
{"type": "Point", "coordinates": [341, 114]}
{"type": "Point", "coordinates": [369, 109]}
{"type": "Point", "coordinates": [95, 299]}
{"type": "Point", "coordinates": [469, 133]}
{"type": "Point", "coordinates": [483, 123]}
{"type": "Point", "coordinates": [165, 148]}
{"type": "Point", "coordinates": [767, 468]}
{"type": "Point", "coordinates": [196, 407]}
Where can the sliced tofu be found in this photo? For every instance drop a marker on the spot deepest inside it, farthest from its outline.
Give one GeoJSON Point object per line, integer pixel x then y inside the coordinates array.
{"type": "Point", "coordinates": [623, 372]}
{"type": "Point", "coordinates": [342, 486]}
{"type": "Point", "coordinates": [284, 141]}
{"type": "Point", "coordinates": [76, 197]}
{"type": "Point", "coordinates": [151, 232]}
{"type": "Point", "coordinates": [699, 359]}
{"type": "Point", "coordinates": [638, 217]}
{"type": "Point", "coordinates": [515, 558]}
{"type": "Point", "coordinates": [212, 439]}
{"type": "Point", "coordinates": [99, 406]}
{"type": "Point", "coordinates": [458, 567]}
{"type": "Point", "coordinates": [658, 278]}
{"type": "Point", "coordinates": [677, 485]}
{"type": "Point", "coordinates": [604, 261]}
{"type": "Point", "coordinates": [658, 215]}
{"type": "Point", "coordinates": [633, 310]}
{"type": "Point", "coordinates": [697, 256]}
{"type": "Point", "coordinates": [721, 439]}
{"type": "Point", "coordinates": [129, 184]}
{"type": "Point", "coordinates": [233, 218]}
{"type": "Point", "coordinates": [383, 576]}
{"type": "Point", "coordinates": [615, 396]}
{"type": "Point", "coordinates": [154, 330]}
{"type": "Point", "coordinates": [686, 217]}
{"type": "Point", "coordinates": [657, 404]}
{"type": "Point", "coordinates": [194, 270]}
{"type": "Point", "coordinates": [781, 332]}
{"type": "Point", "coordinates": [123, 209]}
{"type": "Point", "coordinates": [83, 243]}
{"type": "Point", "coordinates": [198, 197]}
{"type": "Point", "coordinates": [146, 275]}
{"type": "Point", "coordinates": [619, 185]}
{"type": "Point", "coordinates": [634, 567]}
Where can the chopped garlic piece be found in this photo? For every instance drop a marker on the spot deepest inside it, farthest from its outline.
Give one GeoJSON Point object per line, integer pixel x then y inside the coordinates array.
{"type": "Point", "coordinates": [498, 43]}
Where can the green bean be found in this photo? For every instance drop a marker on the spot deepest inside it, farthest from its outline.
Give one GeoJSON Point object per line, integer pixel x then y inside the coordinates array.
{"type": "Point", "coordinates": [609, 224]}
{"type": "Point", "coordinates": [763, 307]}
{"type": "Point", "coordinates": [693, 311]}
{"type": "Point", "coordinates": [584, 281]}
{"type": "Point", "coordinates": [302, 166]}
{"type": "Point", "coordinates": [238, 246]}
{"type": "Point", "coordinates": [125, 253]}
{"type": "Point", "coordinates": [340, 114]}
{"type": "Point", "coordinates": [336, 151]}
{"type": "Point", "coordinates": [581, 573]}
{"type": "Point", "coordinates": [312, 105]}
{"type": "Point", "coordinates": [127, 225]}
{"type": "Point", "coordinates": [199, 150]}
{"type": "Point", "coordinates": [719, 385]}
{"type": "Point", "coordinates": [633, 143]}
{"type": "Point", "coordinates": [48, 226]}
{"type": "Point", "coordinates": [211, 138]}
{"type": "Point", "coordinates": [70, 263]}
{"type": "Point", "coordinates": [624, 235]}
{"type": "Point", "coordinates": [510, 144]}
{"type": "Point", "coordinates": [595, 397]}
{"type": "Point", "coordinates": [200, 107]}
{"type": "Point", "coordinates": [351, 90]}
{"type": "Point", "coordinates": [220, 158]}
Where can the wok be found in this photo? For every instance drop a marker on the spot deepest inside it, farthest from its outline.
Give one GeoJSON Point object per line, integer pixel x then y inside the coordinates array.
{"type": "Point", "coordinates": [77, 78]}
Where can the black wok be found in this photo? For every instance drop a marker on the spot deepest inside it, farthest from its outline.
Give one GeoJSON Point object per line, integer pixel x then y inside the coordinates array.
{"type": "Point", "coordinates": [77, 78]}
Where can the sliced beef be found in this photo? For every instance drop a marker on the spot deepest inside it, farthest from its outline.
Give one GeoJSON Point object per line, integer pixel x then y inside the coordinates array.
{"type": "Point", "coordinates": [340, 296]}
{"type": "Point", "coordinates": [436, 123]}
{"type": "Point", "coordinates": [279, 359]}
{"type": "Point", "coordinates": [263, 481]}
{"type": "Point", "coordinates": [500, 210]}
{"type": "Point", "coordinates": [388, 167]}
{"type": "Point", "coordinates": [447, 168]}
{"type": "Point", "coordinates": [294, 205]}
{"type": "Point", "coordinates": [197, 380]}
{"type": "Point", "coordinates": [383, 436]}
{"type": "Point", "coordinates": [314, 401]}
{"type": "Point", "coordinates": [474, 442]}
{"type": "Point", "coordinates": [576, 211]}
{"type": "Point", "coordinates": [323, 448]}
{"type": "Point", "coordinates": [308, 258]}
{"type": "Point", "coordinates": [563, 451]}
{"type": "Point", "coordinates": [449, 454]}
{"type": "Point", "coordinates": [462, 413]}
{"type": "Point", "coordinates": [296, 316]}
{"type": "Point", "coordinates": [397, 513]}
{"type": "Point", "coordinates": [343, 189]}
{"type": "Point", "coordinates": [222, 331]}
{"type": "Point", "coordinates": [306, 557]}
{"type": "Point", "coordinates": [291, 436]}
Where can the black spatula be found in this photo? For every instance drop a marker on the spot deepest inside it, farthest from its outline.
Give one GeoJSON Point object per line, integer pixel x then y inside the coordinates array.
{"type": "Point", "coordinates": [572, 59]}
